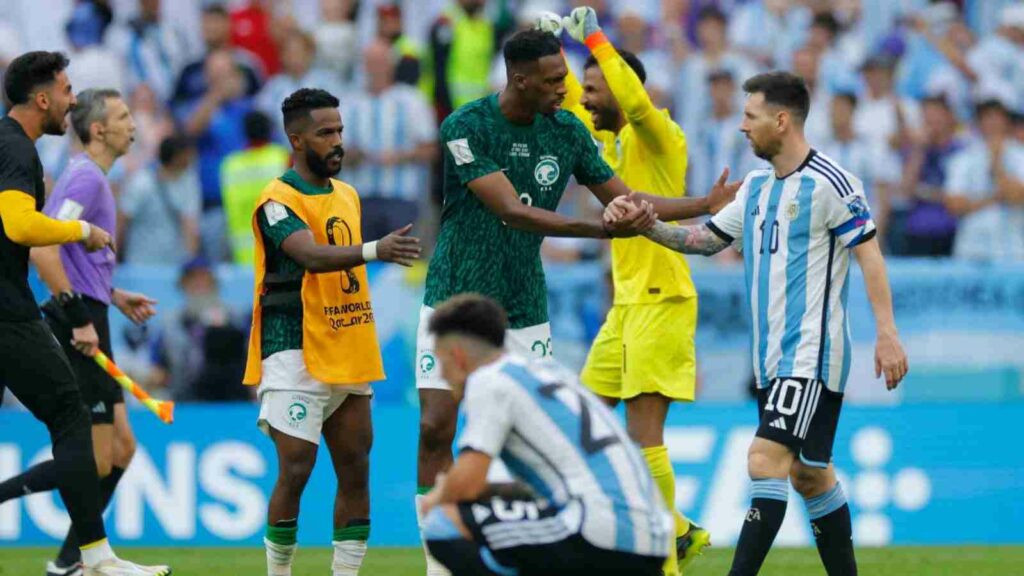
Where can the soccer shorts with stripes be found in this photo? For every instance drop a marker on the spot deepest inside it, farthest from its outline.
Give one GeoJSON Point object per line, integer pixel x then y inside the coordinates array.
{"type": "Point", "coordinates": [801, 413]}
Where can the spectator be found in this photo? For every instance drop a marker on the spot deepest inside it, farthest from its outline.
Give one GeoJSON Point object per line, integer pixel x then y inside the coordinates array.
{"type": "Point", "coordinates": [243, 175]}
{"type": "Point", "coordinates": [920, 224]}
{"type": "Point", "coordinates": [254, 29]}
{"type": "Point", "coordinates": [153, 50]}
{"type": "Point", "coordinates": [298, 51]}
{"type": "Point", "coordinates": [193, 83]}
{"type": "Point", "coordinates": [390, 141]}
{"type": "Point", "coordinates": [876, 166]}
{"type": "Point", "coordinates": [985, 189]}
{"type": "Point", "coordinates": [996, 63]}
{"type": "Point", "coordinates": [159, 208]}
{"type": "Point", "coordinates": [199, 352]}
{"type": "Point", "coordinates": [692, 93]}
{"type": "Point", "coordinates": [934, 62]}
{"type": "Point", "coordinates": [217, 122]}
{"type": "Point", "coordinates": [1018, 126]}
{"type": "Point", "coordinates": [409, 53]}
{"type": "Point", "coordinates": [337, 38]}
{"type": "Point", "coordinates": [93, 65]}
{"type": "Point", "coordinates": [886, 119]}
{"type": "Point", "coordinates": [770, 31]}
{"type": "Point", "coordinates": [807, 64]}
{"type": "Point", "coordinates": [718, 142]}
{"type": "Point", "coordinates": [463, 41]}
{"type": "Point", "coordinates": [837, 62]}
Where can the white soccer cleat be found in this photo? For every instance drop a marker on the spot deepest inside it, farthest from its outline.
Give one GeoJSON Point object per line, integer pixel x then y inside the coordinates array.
{"type": "Point", "coordinates": [74, 570]}
{"type": "Point", "coordinates": [118, 567]}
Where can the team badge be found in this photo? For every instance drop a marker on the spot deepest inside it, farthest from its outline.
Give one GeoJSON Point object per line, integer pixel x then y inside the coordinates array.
{"type": "Point", "coordinates": [427, 363]}
{"type": "Point", "coordinates": [858, 207]}
{"type": "Point", "coordinates": [547, 171]}
{"type": "Point", "coordinates": [297, 413]}
{"type": "Point", "coordinates": [793, 210]}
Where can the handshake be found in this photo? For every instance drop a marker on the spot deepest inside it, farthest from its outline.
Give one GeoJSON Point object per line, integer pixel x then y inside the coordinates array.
{"type": "Point", "coordinates": [627, 216]}
{"type": "Point", "coordinates": [580, 23]}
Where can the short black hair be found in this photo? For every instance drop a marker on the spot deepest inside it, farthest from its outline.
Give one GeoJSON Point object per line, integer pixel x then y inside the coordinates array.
{"type": "Point", "coordinates": [630, 58]}
{"type": "Point", "coordinates": [939, 99]}
{"type": "Point", "coordinates": [827, 21]}
{"type": "Point", "coordinates": [990, 104]}
{"type": "Point", "coordinates": [712, 12]}
{"type": "Point", "coordinates": [258, 126]}
{"type": "Point", "coordinates": [472, 315]}
{"type": "Point", "coordinates": [91, 107]}
{"type": "Point", "coordinates": [305, 100]}
{"type": "Point", "coordinates": [29, 71]}
{"type": "Point", "coordinates": [217, 8]}
{"type": "Point", "coordinates": [529, 46]}
{"type": "Point", "coordinates": [173, 146]}
{"type": "Point", "coordinates": [782, 89]}
{"type": "Point", "coordinates": [848, 96]}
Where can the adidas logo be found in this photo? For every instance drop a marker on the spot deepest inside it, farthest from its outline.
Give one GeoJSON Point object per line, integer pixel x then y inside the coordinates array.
{"type": "Point", "coordinates": [757, 210]}
{"type": "Point", "coordinates": [779, 423]}
{"type": "Point", "coordinates": [99, 408]}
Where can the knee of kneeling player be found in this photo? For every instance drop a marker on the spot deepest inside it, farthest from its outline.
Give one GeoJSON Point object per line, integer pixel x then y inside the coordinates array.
{"type": "Point", "coordinates": [440, 524]}
{"type": "Point", "coordinates": [810, 482]}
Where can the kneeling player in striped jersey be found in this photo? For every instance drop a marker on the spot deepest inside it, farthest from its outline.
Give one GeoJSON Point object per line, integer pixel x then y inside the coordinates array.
{"type": "Point", "coordinates": [596, 510]}
{"type": "Point", "coordinates": [796, 225]}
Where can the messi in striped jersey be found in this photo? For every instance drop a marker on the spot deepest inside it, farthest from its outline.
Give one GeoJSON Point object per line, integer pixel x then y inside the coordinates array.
{"type": "Point", "coordinates": [593, 507]}
{"type": "Point", "coordinates": [796, 225]}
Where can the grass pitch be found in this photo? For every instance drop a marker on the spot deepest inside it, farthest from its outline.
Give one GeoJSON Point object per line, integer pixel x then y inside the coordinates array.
{"type": "Point", "coordinates": [902, 561]}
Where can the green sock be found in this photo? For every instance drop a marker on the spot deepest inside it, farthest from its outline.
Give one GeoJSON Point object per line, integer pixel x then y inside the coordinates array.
{"type": "Point", "coordinates": [358, 529]}
{"type": "Point", "coordinates": [284, 532]}
{"type": "Point", "coordinates": [421, 490]}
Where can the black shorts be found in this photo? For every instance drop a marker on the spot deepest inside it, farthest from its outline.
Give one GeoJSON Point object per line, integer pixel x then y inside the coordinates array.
{"type": "Point", "coordinates": [99, 390]}
{"type": "Point", "coordinates": [505, 527]}
{"type": "Point", "coordinates": [803, 414]}
{"type": "Point", "coordinates": [35, 369]}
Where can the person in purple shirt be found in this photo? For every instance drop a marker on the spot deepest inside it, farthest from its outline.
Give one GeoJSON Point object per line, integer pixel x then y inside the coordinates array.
{"type": "Point", "coordinates": [81, 284]}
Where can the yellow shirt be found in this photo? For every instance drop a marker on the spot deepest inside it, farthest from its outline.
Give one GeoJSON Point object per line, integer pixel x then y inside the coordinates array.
{"type": "Point", "coordinates": [649, 155]}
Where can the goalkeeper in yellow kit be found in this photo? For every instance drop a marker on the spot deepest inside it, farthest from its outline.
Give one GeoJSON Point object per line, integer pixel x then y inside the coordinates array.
{"type": "Point", "coordinates": [644, 354]}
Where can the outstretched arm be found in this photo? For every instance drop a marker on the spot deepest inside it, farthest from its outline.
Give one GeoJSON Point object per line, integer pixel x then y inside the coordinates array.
{"type": "Point", "coordinates": [672, 209]}
{"type": "Point", "coordinates": [698, 239]}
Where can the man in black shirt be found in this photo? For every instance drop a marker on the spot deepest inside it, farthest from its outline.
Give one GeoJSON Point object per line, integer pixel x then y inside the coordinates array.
{"type": "Point", "coordinates": [32, 363]}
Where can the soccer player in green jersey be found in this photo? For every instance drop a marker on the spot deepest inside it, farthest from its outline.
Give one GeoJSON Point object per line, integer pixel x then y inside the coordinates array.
{"type": "Point", "coordinates": [507, 160]}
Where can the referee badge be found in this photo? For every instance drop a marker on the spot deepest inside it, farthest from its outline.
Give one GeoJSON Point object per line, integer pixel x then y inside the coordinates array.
{"type": "Point", "coordinates": [793, 210]}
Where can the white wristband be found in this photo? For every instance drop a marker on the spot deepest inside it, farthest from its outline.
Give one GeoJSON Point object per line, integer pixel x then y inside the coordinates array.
{"type": "Point", "coordinates": [370, 251]}
{"type": "Point", "coordinates": [86, 229]}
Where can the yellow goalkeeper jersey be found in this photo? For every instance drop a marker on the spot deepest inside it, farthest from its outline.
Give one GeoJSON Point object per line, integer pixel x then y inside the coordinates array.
{"type": "Point", "coordinates": [649, 155]}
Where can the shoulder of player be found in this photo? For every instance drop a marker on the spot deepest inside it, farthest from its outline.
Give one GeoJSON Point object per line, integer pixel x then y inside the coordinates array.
{"type": "Point", "coordinates": [829, 175]}
{"type": "Point", "coordinates": [563, 118]}
{"type": "Point", "coordinates": [15, 146]}
{"type": "Point", "coordinates": [471, 113]}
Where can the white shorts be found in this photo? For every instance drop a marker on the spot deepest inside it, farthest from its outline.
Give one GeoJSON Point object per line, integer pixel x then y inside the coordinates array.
{"type": "Point", "coordinates": [529, 342]}
{"type": "Point", "coordinates": [293, 402]}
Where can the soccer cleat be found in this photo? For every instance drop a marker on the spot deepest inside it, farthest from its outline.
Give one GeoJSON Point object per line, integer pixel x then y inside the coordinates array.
{"type": "Point", "coordinates": [118, 567]}
{"type": "Point", "coordinates": [691, 545]}
{"type": "Point", "coordinates": [75, 569]}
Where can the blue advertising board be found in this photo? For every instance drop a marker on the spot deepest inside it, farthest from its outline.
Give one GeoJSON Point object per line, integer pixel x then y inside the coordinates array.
{"type": "Point", "coordinates": [911, 472]}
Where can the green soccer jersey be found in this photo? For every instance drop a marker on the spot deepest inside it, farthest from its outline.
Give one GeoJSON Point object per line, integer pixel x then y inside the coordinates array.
{"type": "Point", "coordinates": [476, 251]}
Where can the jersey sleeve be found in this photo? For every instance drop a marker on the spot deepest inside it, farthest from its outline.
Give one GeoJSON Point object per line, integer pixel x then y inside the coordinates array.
{"type": "Point", "coordinates": [489, 414]}
{"type": "Point", "coordinates": [590, 169]}
{"type": "Point", "coordinates": [728, 223]}
{"type": "Point", "coordinates": [278, 222]}
{"type": "Point", "coordinates": [464, 149]}
{"type": "Point", "coordinates": [846, 211]}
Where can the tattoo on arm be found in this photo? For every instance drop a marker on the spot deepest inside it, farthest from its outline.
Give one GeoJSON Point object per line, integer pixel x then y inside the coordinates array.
{"type": "Point", "coordinates": [687, 239]}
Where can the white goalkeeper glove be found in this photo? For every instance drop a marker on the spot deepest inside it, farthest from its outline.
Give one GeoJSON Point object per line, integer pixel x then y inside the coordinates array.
{"type": "Point", "coordinates": [581, 23]}
{"type": "Point", "coordinates": [549, 22]}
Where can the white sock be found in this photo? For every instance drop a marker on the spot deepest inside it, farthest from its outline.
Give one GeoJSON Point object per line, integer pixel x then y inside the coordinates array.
{"type": "Point", "coordinates": [348, 557]}
{"type": "Point", "coordinates": [434, 568]}
{"type": "Point", "coordinates": [279, 558]}
{"type": "Point", "coordinates": [97, 552]}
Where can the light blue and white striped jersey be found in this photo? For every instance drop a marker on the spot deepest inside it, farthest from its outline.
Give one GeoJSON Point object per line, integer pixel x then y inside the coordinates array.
{"type": "Point", "coordinates": [795, 234]}
{"type": "Point", "coordinates": [397, 120]}
{"type": "Point", "coordinates": [558, 438]}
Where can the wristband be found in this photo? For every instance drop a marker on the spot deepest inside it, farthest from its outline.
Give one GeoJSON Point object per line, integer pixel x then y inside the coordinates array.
{"type": "Point", "coordinates": [370, 251]}
{"type": "Point", "coordinates": [74, 308]}
{"type": "Point", "coordinates": [86, 229]}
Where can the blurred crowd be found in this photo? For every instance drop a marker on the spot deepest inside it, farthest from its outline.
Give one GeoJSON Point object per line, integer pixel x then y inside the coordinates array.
{"type": "Point", "coordinates": [923, 100]}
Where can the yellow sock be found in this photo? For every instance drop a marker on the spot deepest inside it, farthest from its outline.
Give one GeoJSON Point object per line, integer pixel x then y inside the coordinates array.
{"type": "Point", "coordinates": [665, 479]}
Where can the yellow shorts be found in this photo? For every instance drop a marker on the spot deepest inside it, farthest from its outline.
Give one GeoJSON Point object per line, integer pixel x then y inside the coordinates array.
{"type": "Point", "coordinates": [645, 348]}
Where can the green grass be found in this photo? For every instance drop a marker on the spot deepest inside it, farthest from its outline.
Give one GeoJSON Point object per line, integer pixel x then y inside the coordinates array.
{"type": "Point", "coordinates": [945, 561]}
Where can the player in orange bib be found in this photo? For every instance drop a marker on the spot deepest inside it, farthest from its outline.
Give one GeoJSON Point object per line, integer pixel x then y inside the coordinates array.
{"type": "Point", "coordinates": [313, 348]}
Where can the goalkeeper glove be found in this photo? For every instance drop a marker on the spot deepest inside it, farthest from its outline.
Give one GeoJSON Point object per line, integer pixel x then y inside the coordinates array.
{"type": "Point", "coordinates": [581, 23]}
{"type": "Point", "coordinates": [549, 22]}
